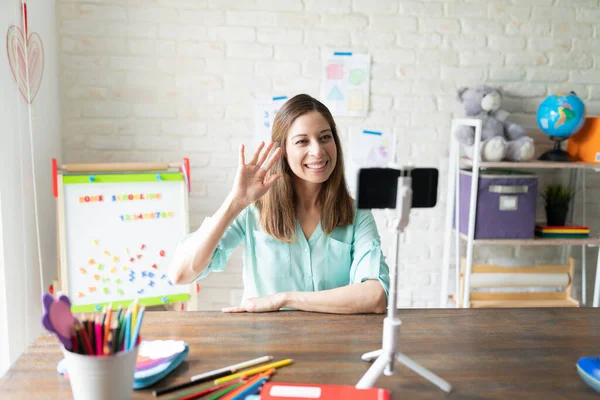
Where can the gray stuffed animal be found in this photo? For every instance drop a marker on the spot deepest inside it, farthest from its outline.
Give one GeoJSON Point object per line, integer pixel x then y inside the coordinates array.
{"type": "Point", "coordinates": [500, 140]}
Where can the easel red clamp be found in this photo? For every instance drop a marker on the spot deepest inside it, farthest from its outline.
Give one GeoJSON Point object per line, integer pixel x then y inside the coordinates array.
{"type": "Point", "coordinates": [185, 168]}
{"type": "Point", "coordinates": [54, 177]}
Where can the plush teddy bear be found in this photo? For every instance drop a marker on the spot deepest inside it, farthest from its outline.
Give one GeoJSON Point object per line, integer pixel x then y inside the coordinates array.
{"type": "Point", "coordinates": [500, 140]}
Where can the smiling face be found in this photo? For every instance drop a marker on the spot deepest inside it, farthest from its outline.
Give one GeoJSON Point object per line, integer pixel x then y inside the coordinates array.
{"type": "Point", "coordinates": [310, 148]}
{"type": "Point", "coordinates": [311, 170]}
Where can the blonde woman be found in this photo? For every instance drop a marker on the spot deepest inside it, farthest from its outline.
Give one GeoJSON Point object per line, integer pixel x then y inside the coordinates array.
{"type": "Point", "coordinates": [306, 245]}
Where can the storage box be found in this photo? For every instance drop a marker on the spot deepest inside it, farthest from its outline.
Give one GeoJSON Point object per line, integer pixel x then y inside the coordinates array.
{"type": "Point", "coordinates": [585, 144]}
{"type": "Point", "coordinates": [506, 204]}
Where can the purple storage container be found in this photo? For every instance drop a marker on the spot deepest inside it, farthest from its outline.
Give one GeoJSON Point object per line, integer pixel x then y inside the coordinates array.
{"type": "Point", "coordinates": [506, 204]}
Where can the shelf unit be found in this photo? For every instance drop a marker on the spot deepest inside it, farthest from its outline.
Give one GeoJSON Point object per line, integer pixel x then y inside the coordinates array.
{"type": "Point", "coordinates": [507, 300]}
{"type": "Point", "coordinates": [452, 208]}
{"type": "Point", "coordinates": [591, 241]}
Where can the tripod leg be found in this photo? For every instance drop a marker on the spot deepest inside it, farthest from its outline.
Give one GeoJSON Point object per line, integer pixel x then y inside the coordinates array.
{"type": "Point", "coordinates": [370, 356]}
{"type": "Point", "coordinates": [373, 373]}
{"type": "Point", "coordinates": [424, 372]}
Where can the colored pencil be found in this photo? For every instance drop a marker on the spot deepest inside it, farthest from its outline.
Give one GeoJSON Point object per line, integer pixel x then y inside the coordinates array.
{"type": "Point", "coordinates": [225, 391]}
{"type": "Point", "coordinates": [138, 326]}
{"type": "Point", "coordinates": [134, 313]}
{"type": "Point", "coordinates": [121, 343]}
{"type": "Point", "coordinates": [86, 342]}
{"type": "Point", "coordinates": [121, 328]}
{"type": "Point", "coordinates": [115, 336]}
{"type": "Point", "coordinates": [244, 391]}
{"type": "Point", "coordinates": [211, 375]}
{"type": "Point", "coordinates": [83, 323]}
{"type": "Point", "coordinates": [80, 345]}
{"type": "Point", "coordinates": [88, 324]}
{"type": "Point", "coordinates": [107, 326]}
{"type": "Point", "coordinates": [77, 334]}
{"type": "Point", "coordinates": [98, 331]}
{"type": "Point", "coordinates": [127, 332]}
{"type": "Point", "coordinates": [222, 389]}
{"type": "Point", "coordinates": [119, 311]}
{"type": "Point", "coordinates": [203, 390]}
{"type": "Point", "coordinates": [122, 316]}
{"type": "Point", "coordinates": [108, 343]}
{"type": "Point", "coordinates": [187, 384]}
{"type": "Point", "coordinates": [250, 384]}
{"type": "Point", "coordinates": [74, 341]}
{"type": "Point", "coordinates": [103, 318]}
{"type": "Point", "coordinates": [256, 370]}
{"type": "Point", "coordinates": [92, 335]}
{"type": "Point", "coordinates": [102, 329]}
{"type": "Point", "coordinates": [233, 368]}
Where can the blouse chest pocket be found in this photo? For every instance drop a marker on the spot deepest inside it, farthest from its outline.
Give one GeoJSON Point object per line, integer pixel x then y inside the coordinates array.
{"type": "Point", "coordinates": [271, 257]}
{"type": "Point", "coordinates": [340, 259]}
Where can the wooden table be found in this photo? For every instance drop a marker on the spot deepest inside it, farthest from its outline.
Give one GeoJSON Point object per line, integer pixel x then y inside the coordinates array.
{"type": "Point", "coordinates": [483, 353]}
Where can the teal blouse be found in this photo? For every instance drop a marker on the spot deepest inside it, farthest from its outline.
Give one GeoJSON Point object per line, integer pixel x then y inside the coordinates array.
{"type": "Point", "coordinates": [349, 254]}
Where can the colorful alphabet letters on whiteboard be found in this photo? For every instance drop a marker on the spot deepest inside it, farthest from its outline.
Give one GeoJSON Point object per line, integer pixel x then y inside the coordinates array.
{"type": "Point", "coordinates": [345, 83]}
{"type": "Point", "coordinates": [120, 233]}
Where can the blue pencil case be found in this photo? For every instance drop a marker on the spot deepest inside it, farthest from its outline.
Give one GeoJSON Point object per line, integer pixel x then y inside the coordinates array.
{"type": "Point", "coordinates": [589, 370]}
{"type": "Point", "coordinates": [148, 377]}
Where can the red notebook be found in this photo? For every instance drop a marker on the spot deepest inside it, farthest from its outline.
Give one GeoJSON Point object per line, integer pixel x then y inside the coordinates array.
{"type": "Point", "coordinates": [302, 391]}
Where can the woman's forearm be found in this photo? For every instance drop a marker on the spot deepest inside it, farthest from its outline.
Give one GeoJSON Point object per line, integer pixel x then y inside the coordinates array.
{"type": "Point", "coordinates": [365, 297]}
{"type": "Point", "coordinates": [194, 254]}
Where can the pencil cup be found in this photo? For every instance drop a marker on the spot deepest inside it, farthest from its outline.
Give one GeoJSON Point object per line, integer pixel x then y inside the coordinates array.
{"type": "Point", "coordinates": [101, 377]}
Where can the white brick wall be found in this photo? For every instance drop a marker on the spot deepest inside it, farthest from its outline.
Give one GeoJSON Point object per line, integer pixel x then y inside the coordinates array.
{"type": "Point", "coordinates": [172, 78]}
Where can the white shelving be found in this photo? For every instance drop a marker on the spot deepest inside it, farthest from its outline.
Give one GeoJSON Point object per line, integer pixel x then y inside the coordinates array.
{"type": "Point", "coordinates": [530, 164]}
{"type": "Point", "coordinates": [452, 208]}
{"type": "Point", "coordinates": [591, 241]}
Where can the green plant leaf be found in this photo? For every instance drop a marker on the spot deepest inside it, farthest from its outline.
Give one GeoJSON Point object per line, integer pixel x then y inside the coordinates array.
{"type": "Point", "coordinates": [557, 195]}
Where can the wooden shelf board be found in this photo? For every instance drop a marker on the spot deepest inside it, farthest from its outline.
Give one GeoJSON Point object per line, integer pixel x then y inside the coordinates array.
{"type": "Point", "coordinates": [522, 303]}
{"type": "Point", "coordinates": [537, 241]}
{"type": "Point", "coordinates": [531, 164]}
{"type": "Point", "coordinates": [529, 303]}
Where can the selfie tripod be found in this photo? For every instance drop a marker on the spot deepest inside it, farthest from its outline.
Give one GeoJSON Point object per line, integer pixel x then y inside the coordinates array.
{"type": "Point", "coordinates": [387, 355]}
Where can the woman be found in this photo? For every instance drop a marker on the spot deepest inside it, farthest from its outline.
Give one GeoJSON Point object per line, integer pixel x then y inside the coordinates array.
{"type": "Point", "coordinates": [306, 246]}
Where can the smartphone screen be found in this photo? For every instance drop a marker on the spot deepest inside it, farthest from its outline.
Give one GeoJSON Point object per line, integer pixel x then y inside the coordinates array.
{"type": "Point", "coordinates": [378, 187]}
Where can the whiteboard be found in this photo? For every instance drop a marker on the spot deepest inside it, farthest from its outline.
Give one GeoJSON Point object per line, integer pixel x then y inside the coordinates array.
{"type": "Point", "coordinates": [119, 233]}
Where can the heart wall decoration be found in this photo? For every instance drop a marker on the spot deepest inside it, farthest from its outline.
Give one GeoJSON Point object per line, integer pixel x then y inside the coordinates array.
{"type": "Point", "coordinates": [26, 59]}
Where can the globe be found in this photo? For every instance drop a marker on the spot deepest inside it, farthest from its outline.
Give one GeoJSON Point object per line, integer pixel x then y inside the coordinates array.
{"type": "Point", "coordinates": [561, 115]}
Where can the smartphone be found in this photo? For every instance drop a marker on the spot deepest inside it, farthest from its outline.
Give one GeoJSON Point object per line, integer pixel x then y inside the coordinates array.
{"type": "Point", "coordinates": [377, 187]}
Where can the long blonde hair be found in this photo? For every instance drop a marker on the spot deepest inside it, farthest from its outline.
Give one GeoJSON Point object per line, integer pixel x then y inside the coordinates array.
{"type": "Point", "coordinates": [277, 208]}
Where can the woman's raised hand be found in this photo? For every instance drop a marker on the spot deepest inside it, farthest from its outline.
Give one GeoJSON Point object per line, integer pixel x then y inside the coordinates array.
{"type": "Point", "coordinates": [251, 181]}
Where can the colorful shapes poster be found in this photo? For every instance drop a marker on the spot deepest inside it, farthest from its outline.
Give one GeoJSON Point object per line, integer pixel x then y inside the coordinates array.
{"type": "Point", "coordinates": [345, 83]}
